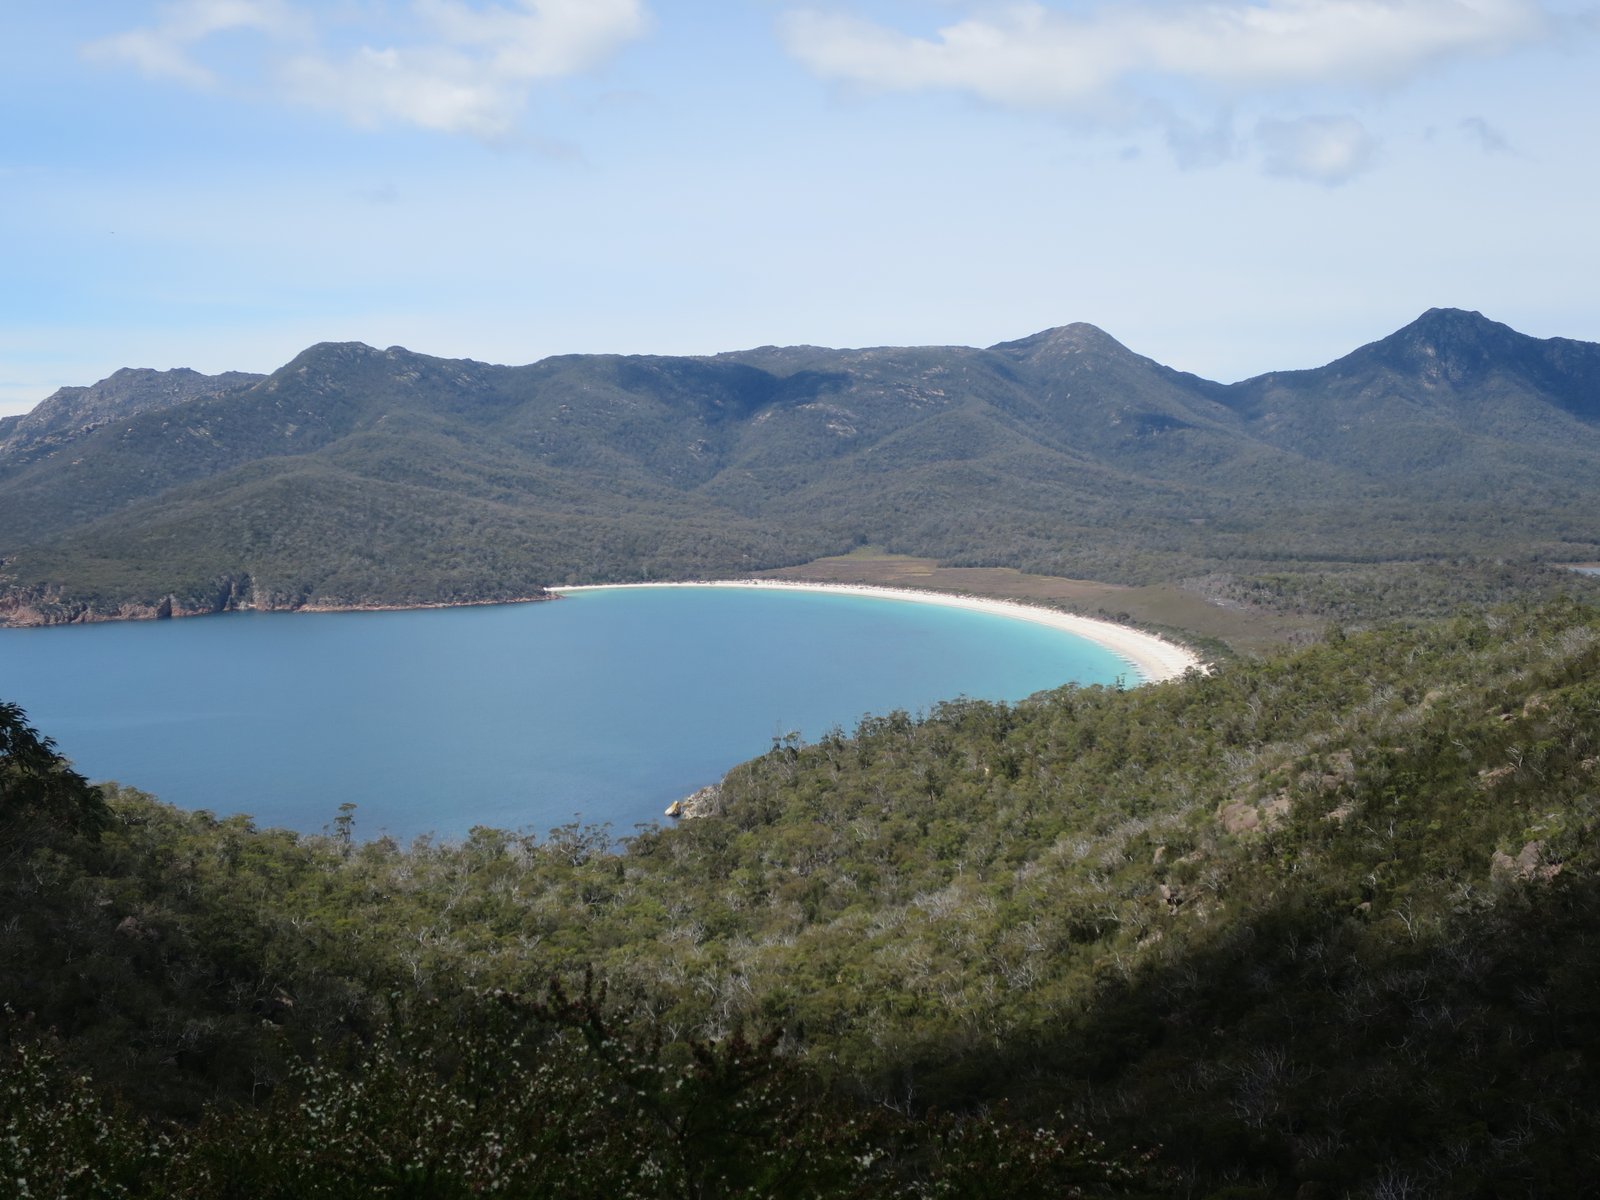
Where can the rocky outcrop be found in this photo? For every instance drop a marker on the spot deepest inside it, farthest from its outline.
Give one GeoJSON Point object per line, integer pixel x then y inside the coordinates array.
{"type": "Point", "coordinates": [707, 802]}
{"type": "Point", "coordinates": [71, 413]}
{"type": "Point", "coordinates": [22, 610]}
{"type": "Point", "coordinates": [21, 607]}
{"type": "Point", "coordinates": [1245, 816]}
{"type": "Point", "coordinates": [1530, 863]}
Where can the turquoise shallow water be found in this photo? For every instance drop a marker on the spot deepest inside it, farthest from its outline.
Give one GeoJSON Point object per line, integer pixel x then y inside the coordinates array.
{"type": "Point", "coordinates": [605, 705]}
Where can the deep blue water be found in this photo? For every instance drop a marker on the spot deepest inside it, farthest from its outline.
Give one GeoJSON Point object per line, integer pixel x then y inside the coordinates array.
{"type": "Point", "coordinates": [605, 705]}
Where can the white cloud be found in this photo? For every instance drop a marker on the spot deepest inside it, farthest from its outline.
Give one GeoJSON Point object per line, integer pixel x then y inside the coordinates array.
{"type": "Point", "coordinates": [1123, 63]}
{"type": "Point", "coordinates": [165, 51]}
{"type": "Point", "coordinates": [1328, 150]}
{"type": "Point", "coordinates": [1029, 54]}
{"type": "Point", "coordinates": [437, 89]}
{"type": "Point", "coordinates": [471, 70]}
{"type": "Point", "coordinates": [540, 39]}
{"type": "Point", "coordinates": [153, 53]}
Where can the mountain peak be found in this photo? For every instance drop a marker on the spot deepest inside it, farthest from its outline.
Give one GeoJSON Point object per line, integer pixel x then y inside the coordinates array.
{"type": "Point", "coordinates": [1463, 316]}
{"type": "Point", "coordinates": [1455, 324]}
{"type": "Point", "coordinates": [1448, 345]}
{"type": "Point", "coordinates": [336, 352]}
{"type": "Point", "coordinates": [1077, 338]}
{"type": "Point", "coordinates": [329, 358]}
{"type": "Point", "coordinates": [70, 412]}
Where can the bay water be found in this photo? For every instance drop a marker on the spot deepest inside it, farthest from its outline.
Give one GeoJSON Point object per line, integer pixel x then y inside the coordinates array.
{"type": "Point", "coordinates": [603, 706]}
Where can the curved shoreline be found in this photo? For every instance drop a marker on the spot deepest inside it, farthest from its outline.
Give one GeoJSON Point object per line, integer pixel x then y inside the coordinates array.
{"type": "Point", "coordinates": [1155, 659]}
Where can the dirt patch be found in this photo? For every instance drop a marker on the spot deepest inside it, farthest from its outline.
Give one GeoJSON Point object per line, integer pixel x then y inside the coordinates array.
{"type": "Point", "coordinates": [1162, 606]}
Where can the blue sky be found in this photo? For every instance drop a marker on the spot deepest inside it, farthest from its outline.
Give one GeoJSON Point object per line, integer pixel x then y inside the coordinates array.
{"type": "Point", "coordinates": [1229, 187]}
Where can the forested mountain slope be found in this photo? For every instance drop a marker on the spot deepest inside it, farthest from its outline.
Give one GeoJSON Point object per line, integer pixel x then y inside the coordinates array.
{"type": "Point", "coordinates": [1437, 395]}
{"type": "Point", "coordinates": [360, 476]}
{"type": "Point", "coordinates": [72, 412]}
{"type": "Point", "coordinates": [1322, 924]}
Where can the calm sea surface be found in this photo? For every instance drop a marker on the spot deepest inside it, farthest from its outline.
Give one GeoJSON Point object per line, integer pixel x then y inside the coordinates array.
{"type": "Point", "coordinates": [605, 705]}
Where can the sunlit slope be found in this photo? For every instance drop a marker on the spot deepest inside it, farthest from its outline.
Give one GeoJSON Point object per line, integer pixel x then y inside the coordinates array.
{"type": "Point", "coordinates": [1064, 452]}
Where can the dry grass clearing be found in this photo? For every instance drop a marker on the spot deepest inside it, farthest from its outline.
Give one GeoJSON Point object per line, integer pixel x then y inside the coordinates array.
{"type": "Point", "coordinates": [1163, 607]}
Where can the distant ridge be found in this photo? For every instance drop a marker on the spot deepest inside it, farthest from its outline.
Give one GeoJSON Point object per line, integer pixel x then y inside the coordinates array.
{"type": "Point", "coordinates": [358, 476]}
{"type": "Point", "coordinates": [1447, 345]}
{"type": "Point", "coordinates": [71, 412]}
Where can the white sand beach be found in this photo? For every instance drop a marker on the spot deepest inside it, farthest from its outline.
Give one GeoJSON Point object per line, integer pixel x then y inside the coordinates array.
{"type": "Point", "coordinates": [1154, 659]}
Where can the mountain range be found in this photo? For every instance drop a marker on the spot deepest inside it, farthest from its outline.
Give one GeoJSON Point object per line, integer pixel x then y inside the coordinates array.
{"type": "Point", "coordinates": [354, 476]}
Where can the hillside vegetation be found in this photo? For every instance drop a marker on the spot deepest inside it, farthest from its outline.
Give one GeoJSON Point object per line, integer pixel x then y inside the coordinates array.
{"type": "Point", "coordinates": [356, 476]}
{"type": "Point", "coordinates": [1318, 924]}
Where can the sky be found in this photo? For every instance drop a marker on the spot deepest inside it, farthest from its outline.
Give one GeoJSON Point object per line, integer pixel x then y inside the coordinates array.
{"type": "Point", "coordinates": [1230, 186]}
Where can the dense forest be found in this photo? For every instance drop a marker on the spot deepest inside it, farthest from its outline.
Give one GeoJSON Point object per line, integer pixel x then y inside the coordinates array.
{"type": "Point", "coordinates": [355, 476]}
{"type": "Point", "coordinates": [1318, 924]}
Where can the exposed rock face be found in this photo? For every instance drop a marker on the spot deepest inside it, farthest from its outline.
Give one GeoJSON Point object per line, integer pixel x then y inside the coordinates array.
{"type": "Point", "coordinates": [707, 802]}
{"type": "Point", "coordinates": [1243, 816]}
{"type": "Point", "coordinates": [71, 412]}
{"type": "Point", "coordinates": [23, 608]}
{"type": "Point", "coordinates": [1530, 863]}
{"type": "Point", "coordinates": [44, 606]}
{"type": "Point", "coordinates": [131, 927]}
{"type": "Point", "coordinates": [31, 609]}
